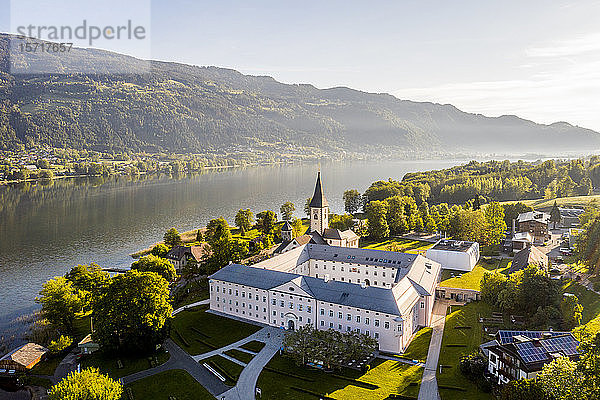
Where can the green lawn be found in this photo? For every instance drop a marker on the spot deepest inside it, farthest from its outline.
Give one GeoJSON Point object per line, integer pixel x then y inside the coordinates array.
{"type": "Point", "coordinates": [240, 355]}
{"type": "Point", "coordinates": [467, 315]}
{"type": "Point", "coordinates": [230, 370]}
{"type": "Point", "coordinates": [398, 244]}
{"type": "Point", "coordinates": [383, 379]}
{"type": "Point", "coordinates": [591, 307]}
{"type": "Point", "coordinates": [419, 346]}
{"type": "Point", "coordinates": [177, 383]}
{"type": "Point", "coordinates": [561, 201]}
{"type": "Point", "coordinates": [47, 366]}
{"type": "Point", "coordinates": [254, 346]}
{"type": "Point", "coordinates": [471, 279]}
{"type": "Point", "coordinates": [202, 331]}
{"type": "Point", "coordinates": [108, 364]}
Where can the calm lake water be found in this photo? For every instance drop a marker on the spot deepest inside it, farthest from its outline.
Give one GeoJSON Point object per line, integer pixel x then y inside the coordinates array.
{"type": "Point", "coordinates": [47, 229]}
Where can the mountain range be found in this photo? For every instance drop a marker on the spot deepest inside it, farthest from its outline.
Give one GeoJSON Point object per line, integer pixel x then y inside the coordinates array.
{"type": "Point", "coordinates": [182, 108]}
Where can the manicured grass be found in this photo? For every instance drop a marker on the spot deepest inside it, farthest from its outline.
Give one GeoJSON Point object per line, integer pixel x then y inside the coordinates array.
{"type": "Point", "coordinates": [202, 331]}
{"type": "Point", "coordinates": [588, 299]}
{"type": "Point", "coordinates": [254, 346]}
{"type": "Point", "coordinates": [240, 355]}
{"type": "Point", "coordinates": [108, 363]}
{"type": "Point", "coordinates": [398, 244]}
{"type": "Point", "coordinates": [419, 346]}
{"type": "Point", "coordinates": [384, 378]}
{"type": "Point", "coordinates": [36, 381]}
{"type": "Point", "coordinates": [467, 315]}
{"type": "Point", "coordinates": [177, 383]}
{"type": "Point", "coordinates": [471, 279]}
{"type": "Point", "coordinates": [47, 367]}
{"type": "Point", "coordinates": [230, 370]}
{"type": "Point", "coordinates": [561, 201]}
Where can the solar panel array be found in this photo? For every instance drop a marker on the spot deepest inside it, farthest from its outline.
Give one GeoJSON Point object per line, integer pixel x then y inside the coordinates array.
{"type": "Point", "coordinates": [530, 353]}
{"type": "Point", "coordinates": [507, 336]}
{"type": "Point", "coordinates": [566, 345]}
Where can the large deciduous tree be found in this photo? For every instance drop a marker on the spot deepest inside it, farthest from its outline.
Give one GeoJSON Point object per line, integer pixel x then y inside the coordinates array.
{"type": "Point", "coordinates": [377, 223]}
{"type": "Point", "coordinates": [265, 222]}
{"type": "Point", "coordinates": [353, 201]}
{"type": "Point", "coordinates": [495, 226]}
{"type": "Point", "coordinates": [89, 384]}
{"type": "Point", "coordinates": [131, 312]}
{"type": "Point", "coordinates": [287, 210]}
{"type": "Point", "coordinates": [152, 263]}
{"type": "Point", "coordinates": [244, 220]}
{"type": "Point", "coordinates": [60, 303]}
{"type": "Point", "coordinates": [87, 280]}
{"type": "Point", "coordinates": [172, 238]}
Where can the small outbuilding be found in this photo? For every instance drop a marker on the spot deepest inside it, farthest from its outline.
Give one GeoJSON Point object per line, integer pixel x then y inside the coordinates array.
{"type": "Point", "coordinates": [455, 254]}
{"type": "Point", "coordinates": [23, 358]}
{"type": "Point", "coordinates": [530, 255]}
{"type": "Point", "coordinates": [87, 345]}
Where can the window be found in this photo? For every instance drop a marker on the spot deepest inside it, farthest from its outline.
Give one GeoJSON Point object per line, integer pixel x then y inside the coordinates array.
{"type": "Point", "coordinates": [493, 358]}
{"type": "Point", "coordinates": [265, 299]}
{"type": "Point", "coordinates": [308, 308]}
{"type": "Point", "coordinates": [256, 297]}
{"type": "Point", "coordinates": [236, 304]}
{"type": "Point", "coordinates": [229, 291]}
{"type": "Point", "coordinates": [340, 315]}
{"type": "Point", "coordinates": [340, 327]}
{"type": "Point", "coordinates": [237, 293]}
{"type": "Point", "coordinates": [331, 313]}
{"type": "Point", "coordinates": [217, 298]}
{"type": "Point", "coordinates": [274, 302]}
{"type": "Point", "coordinates": [376, 335]}
{"type": "Point", "coordinates": [299, 307]}
{"type": "Point", "coordinates": [367, 321]}
{"type": "Point", "coordinates": [376, 322]}
{"type": "Point", "coordinates": [243, 295]}
{"type": "Point", "coordinates": [348, 329]}
{"type": "Point", "coordinates": [386, 325]}
{"type": "Point", "coordinates": [422, 304]}
{"type": "Point", "coordinates": [264, 309]}
{"type": "Point", "coordinates": [322, 311]}
{"type": "Point", "coordinates": [349, 317]}
{"type": "Point", "coordinates": [291, 305]}
{"type": "Point", "coordinates": [281, 303]}
{"type": "Point", "coordinates": [322, 323]}
{"type": "Point", "coordinates": [358, 318]}
{"type": "Point", "coordinates": [308, 320]}
{"type": "Point", "coordinates": [300, 318]}
{"type": "Point", "coordinates": [281, 315]}
{"type": "Point", "coordinates": [367, 333]}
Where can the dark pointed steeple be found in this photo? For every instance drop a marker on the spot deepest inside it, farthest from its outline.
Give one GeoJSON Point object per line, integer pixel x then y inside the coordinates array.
{"type": "Point", "coordinates": [318, 200]}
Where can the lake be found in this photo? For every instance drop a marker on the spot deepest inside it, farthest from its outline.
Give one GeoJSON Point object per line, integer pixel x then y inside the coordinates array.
{"type": "Point", "coordinates": [47, 229]}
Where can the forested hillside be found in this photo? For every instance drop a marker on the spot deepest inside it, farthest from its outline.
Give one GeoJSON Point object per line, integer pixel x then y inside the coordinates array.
{"type": "Point", "coordinates": [183, 108]}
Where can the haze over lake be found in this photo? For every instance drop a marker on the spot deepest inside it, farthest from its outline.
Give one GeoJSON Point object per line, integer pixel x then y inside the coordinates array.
{"type": "Point", "coordinates": [46, 230]}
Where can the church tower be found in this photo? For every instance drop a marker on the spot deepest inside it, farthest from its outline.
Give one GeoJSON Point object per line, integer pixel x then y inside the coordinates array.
{"type": "Point", "coordinates": [319, 209]}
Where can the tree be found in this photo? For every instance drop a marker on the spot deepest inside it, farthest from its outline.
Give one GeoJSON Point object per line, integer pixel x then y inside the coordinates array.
{"type": "Point", "coordinates": [490, 287]}
{"type": "Point", "coordinates": [571, 311]}
{"type": "Point", "coordinates": [352, 201]}
{"type": "Point", "coordinates": [243, 220]}
{"type": "Point", "coordinates": [60, 344]}
{"type": "Point", "coordinates": [60, 303]}
{"type": "Point", "coordinates": [341, 222]}
{"type": "Point", "coordinates": [555, 215]}
{"type": "Point", "coordinates": [494, 224]}
{"type": "Point", "coordinates": [152, 263]}
{"type": "Point", "coordinates": [297, 227]}
{"type": "Point", "coordinates": [172, 238]}
{"type": "Point", "coordinates": [376, 216]}
{"type": "Point", "coordinates": [87, 280]}
{"type": "Point", "coordinates": [160, 250]}
{"type": "Point", "coordinates": [522, 389]}
{"type": "Point", "coordinates": [131, 312]}
{"type": "Point", "coordinates": [89, 384]}
{"type": "Point", "coordinates": [265, 222]}
{"type": "Point", "coordinates": [560, 380]}
{"type": "Point", "coordinates": [287, 210]}
{"type": "Point", "coordinates": [307, 207]}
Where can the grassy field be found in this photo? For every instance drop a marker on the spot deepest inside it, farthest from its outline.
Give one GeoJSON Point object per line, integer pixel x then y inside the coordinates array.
{"type": "Point", "coordinates": [303, 383]}
{"type": "Point", "coordinates": [471, 279]}
{"type": "Point", "coordinates": [108, 364]}
{"type": "Point", "coordinates": [419, 346]}
{"type": "Point", "coordinates": [240, 355]}
{"type": "Point", "coordinates": [46, 367]}
{"type": "Point", "coordinates": [575, 201]}
{"type": "Point", "coordinates": [230, 370]}
{"type": "Point", "coordinates": [177, 383]}
{"type": "Point", "coordinates": [254, 346]}
{"type": "Point", "coordinates": [470, 338]}
{"type": "Point", "coordinates": [398, 244]}
{"type": "Point", "coordinates": [197, 331]}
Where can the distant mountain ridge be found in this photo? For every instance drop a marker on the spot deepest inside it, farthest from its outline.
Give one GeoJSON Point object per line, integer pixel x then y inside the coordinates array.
{"type": "Point", "coordinates": [184, 108]}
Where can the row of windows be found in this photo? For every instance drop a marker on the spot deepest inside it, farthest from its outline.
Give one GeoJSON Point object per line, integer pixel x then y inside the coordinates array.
{"type": "Point", "coordinates": [291, 305]}
{"type": "Point", "coordinates": [349, 329]}
{"type": "Point", "coordinates": [354, 269]}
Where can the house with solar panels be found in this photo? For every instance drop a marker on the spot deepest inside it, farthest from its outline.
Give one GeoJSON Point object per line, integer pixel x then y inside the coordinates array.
{"type": "Point", "coordinates": [384, 294]}
{"type": "Point", "coordinates": [522, 354]}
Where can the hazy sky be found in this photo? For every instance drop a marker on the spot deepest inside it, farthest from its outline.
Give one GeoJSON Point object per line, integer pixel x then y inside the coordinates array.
{"type": "Point", "coordinates": [536, 59]}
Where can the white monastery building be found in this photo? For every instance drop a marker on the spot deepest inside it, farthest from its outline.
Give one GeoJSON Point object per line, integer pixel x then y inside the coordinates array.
{"type": "Point", "coordinates": [386, 295]}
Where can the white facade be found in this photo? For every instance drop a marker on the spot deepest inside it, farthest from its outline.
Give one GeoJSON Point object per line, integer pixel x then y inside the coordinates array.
{"type": "Point", "coordinates": [459, 258]}
{"type": "Point", "coordinates": [408, 290]}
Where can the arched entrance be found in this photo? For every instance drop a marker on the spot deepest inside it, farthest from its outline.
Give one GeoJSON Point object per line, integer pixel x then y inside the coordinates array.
{"type": "Point", "coordinates": [367, 283]}
{"type": "Point", "coordinates": [290, 325]}
{"type": "Point", "coordinates": [291, 321]}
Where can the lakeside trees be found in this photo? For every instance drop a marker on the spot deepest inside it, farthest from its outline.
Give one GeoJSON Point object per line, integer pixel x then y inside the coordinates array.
{"type": "Point", "coordinates": [287, 210]}
{"type": "Point", "coordinates": [60, 303]}
{"type": "Point", "coordinates": [353, 201]}
{"type": "Point", "coordinates": [172, 238]}
{"type": "Point", "coordinates": [152, 263]}
{"type": "Point", "coordinates": [130, 313]}
{"type": "Point", "coordinates": [265, 222]}
{"type": "Point", "coordinates": [244, 220]}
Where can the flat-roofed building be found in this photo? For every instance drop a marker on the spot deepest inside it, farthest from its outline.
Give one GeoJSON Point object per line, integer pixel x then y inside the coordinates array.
{"type": "Point", "coordinates": [455, 254]}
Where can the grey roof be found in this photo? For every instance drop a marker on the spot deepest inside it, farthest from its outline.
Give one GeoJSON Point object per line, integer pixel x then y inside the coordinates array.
{"type": "Point", "coordinates": [527, 256]}
{"type": "Point", "coordinates": [381, 258]}
{"type": "Point", "coordinates": [342, 293]}
{"type": "Point", "coordinates": [538, 216]}
{"type": "Point", "coordinates": [318, 200]}
{"type": "Point", "coordinates": [570, 212]}
{"type": "Point", "coordinates": [452, 245]}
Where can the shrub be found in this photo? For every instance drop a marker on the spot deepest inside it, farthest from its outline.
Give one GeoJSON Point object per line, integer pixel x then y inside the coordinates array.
{"type": "Point", "coordinates": [60, 344]}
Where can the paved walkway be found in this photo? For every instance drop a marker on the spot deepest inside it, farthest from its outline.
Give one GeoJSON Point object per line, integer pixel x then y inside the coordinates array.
{"type": "Point", "coordinates": [402, 360]}
{"type": "Point", "coordinates": [181, 360]}
{"type": "Point", "coordinates": [429, 387]}
{"type": "Point", "coordinates": [198, 303]}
